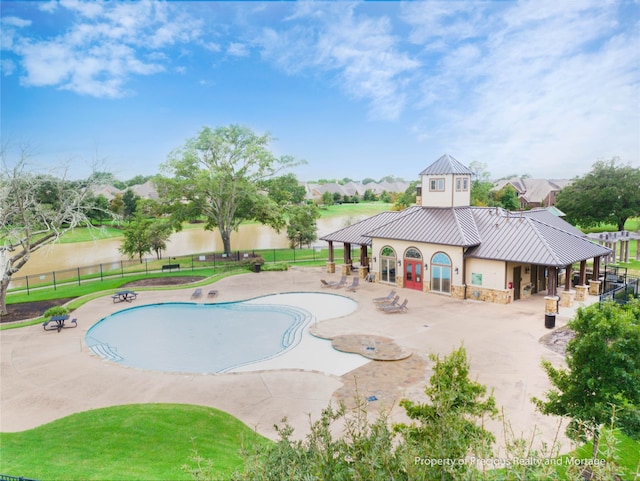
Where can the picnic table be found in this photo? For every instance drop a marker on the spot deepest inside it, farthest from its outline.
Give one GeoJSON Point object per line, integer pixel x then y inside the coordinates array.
{"type": "Point", "coordinates": [58, 322]}
{"type": "Point", "coordinates": [124, 296]}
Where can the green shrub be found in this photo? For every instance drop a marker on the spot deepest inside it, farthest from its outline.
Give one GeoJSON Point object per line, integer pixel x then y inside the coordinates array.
{"type": "Point", "coordinates": [56, 311]}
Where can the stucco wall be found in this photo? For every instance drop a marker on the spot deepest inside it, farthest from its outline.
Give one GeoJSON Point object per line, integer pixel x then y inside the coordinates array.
{"type": "Point", "coordinates": [427, 251]}
{"type": "Point", "coordinates": [450, 197]}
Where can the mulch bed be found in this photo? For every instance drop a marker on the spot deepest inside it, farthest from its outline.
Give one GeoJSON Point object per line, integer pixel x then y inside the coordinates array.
{"type": "Point", "coordinates": [31, 310]}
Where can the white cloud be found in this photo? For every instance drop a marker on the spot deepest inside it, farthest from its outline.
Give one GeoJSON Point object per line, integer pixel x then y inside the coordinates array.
{"type": "Point", "coordinates": [360, 51]}
{"type": "Point", "coordinates": [7, 66]}
{"type": "Point", "coordinates": [551, 83]}
{"type": "Point", "coordinates": [14, 22]}
{"type": "Point", "coordinates": [106, 44]}
{"type": "Point", "coordinates": [236, 49]}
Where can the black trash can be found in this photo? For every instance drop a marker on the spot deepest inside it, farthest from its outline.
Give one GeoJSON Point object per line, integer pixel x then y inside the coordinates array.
{"type": "Point", "coordinates": [257, 267]}
{"type": "Point", "coordinates": [549, 321]}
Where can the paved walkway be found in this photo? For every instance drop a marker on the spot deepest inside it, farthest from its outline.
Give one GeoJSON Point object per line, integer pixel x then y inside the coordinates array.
{"type": "Point", "coordinates": [48, 375]}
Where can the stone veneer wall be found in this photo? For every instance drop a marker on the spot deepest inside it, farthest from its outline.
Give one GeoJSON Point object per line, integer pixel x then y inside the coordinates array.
{"type": "Point", "coordinates": [502, 296]}
{"type": "Point", "coordinates": [457, 292]}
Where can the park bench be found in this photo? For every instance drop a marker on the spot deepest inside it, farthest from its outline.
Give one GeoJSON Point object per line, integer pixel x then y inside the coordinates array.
{"type": "Point", "coordinates": [59, 323]}
{"type": "Point", "coordinates": [170, 267]}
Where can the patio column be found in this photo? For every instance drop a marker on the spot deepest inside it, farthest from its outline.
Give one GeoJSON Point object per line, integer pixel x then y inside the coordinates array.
{"type": "Point", "coordinates": [583, 272]}
{"type": "Point", "coordinates": [346, 265]}
{"type": "Point", "coordinates": [614, 254]}
{"type": "Point", "coordinates": [582, 289]}
{"type": "Point", "coordinates": [551, 299]}
{"type": "Point", "coordinates": [594, 283]}
{"type": "Point", "coordinates": [626, 249]}
{"type": "Point", "coordinates": [566, 296]}
{"type": "Point", "coordinates": [331, 264]}
{"type": "Point", "coordinates": [364, 262]}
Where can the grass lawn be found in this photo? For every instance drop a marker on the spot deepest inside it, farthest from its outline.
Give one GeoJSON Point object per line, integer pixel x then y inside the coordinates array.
{"type": "Point", "coordinates": [632, 224]}
{"type": "Point", "coordinates": [84, 234]}
{"type": "Point", "coordinates": [139, 441]}
{"type": "Point", "coordinates": [355, 210]}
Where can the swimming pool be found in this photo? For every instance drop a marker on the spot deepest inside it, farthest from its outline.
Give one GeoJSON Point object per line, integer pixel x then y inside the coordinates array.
{"type": "Point", "coordinates": [260, 333]}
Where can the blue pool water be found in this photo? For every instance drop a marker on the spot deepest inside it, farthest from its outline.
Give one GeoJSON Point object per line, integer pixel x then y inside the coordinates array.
{"type": "Point", "coordinates": [197, 338]}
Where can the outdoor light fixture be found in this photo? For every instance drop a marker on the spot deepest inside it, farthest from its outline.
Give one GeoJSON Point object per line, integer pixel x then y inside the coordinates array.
{"type": "Point", "coordinates": [399, 263]}
{"type": "Point", "coordinates": [375, 260]}
{"type": "Point", "coordinates": [426, 266]}
{"type": "Point", "coordinates": [456, 270]}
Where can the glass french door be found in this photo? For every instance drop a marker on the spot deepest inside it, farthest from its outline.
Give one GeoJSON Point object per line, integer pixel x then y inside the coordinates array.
{"type": "Point", "coordinates": [441, 273]}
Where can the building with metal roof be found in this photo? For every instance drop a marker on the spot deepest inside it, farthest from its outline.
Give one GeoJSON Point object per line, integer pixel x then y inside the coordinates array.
{"type": "Point", "coordinates": [446, 246]}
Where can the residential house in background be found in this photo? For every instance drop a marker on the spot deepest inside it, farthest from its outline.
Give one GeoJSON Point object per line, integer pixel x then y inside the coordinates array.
{"type": "Point", "coordinates": [350, 189]}
{"type": "Point", "coordinates": [534, 192]}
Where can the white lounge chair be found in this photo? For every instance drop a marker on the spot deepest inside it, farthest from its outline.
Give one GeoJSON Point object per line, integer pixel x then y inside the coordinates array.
{"type": "Point", "coordinates": [387, 298]}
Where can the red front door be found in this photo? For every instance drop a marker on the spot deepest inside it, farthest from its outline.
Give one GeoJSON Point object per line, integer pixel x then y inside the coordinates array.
{"type": "Point", "coordinates": [413, 274]}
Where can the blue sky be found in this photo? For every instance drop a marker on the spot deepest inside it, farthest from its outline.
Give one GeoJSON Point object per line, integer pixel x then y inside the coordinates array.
{"type": "Point", "coordinates": [357, 89]}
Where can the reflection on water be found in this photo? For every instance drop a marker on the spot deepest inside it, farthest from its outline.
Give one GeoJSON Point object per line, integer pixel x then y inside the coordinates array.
{"type": "Point", "coordinates": [190, 241]}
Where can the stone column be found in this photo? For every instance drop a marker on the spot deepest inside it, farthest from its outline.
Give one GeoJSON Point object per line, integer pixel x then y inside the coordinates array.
{"type": "Point", "coordinates": [581, 293]}
{"type": "Point", "coordinates": [594, 288]}
{"type": "Point", "coordinates": [566, 298]}
{"type": "Point", "coordinates": [550, 304]}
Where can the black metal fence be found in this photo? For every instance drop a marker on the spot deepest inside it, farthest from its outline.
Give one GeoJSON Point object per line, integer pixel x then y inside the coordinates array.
{"type": "Point", "coordinates": [6, 477]}
{"type": "Point", "coordinates": [186, 263]}
{"type": "Point", "coordinates": [618, 286]}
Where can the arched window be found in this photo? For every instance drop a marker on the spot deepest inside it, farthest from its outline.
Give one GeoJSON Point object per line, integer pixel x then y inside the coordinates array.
{"type": "Point", "coordinates": [441, 273]}
{"type": "Point", "coordinates": [388, 261]}
{"type": "Point", "coordinates": [412, 253]}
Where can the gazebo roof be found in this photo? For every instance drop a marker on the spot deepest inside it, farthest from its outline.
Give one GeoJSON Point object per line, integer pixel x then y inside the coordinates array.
{"type": "Point", "coordinates": [446, 165]}
{"type": "Point", "coordinates": [489, 233]}
{"type": "Point", "coordinates": [534, 239]}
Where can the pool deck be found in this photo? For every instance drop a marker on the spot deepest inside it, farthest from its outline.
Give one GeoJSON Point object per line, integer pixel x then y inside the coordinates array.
{"type": "Point", "coordinates": [48, 375]}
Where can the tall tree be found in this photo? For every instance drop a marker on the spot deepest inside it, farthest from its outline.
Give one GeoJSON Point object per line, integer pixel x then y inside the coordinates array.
{"type": "Point", "coordinates": [609, 193]}
{"type": "Point", "coordinates": [143, 235]}
{"type": "Point", "coordinates": [35, 211]}
{"type": "Point", "coordinates": [221, 171]}
{"type": "Point", "coordinates": [327, 198]}
{"type": "Point", "coordinates": [285, 189]}
{"type": "Point", "coordinates": [159, 232]}
{"type": "Point", "coordinates": [449, 424]}
{"type": "Point", "coordinates": [302, 228]}
{"type": "Point", "coordinates": [481, 186]}
{"type": "Point", "coordinates": [407, 198]}
{"type": "Point", "coordinates": [136, 240]}
{"type": "Point", "coordinates": [129, 200]}
{"type": "Point", "coordinates": [508, 197]}
{"type": "Point", "coordinates": [603, 372]}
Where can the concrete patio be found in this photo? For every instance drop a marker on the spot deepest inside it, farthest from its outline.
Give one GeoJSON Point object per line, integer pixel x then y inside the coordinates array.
{"type": "Point", "coordinates": [48, 375]}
